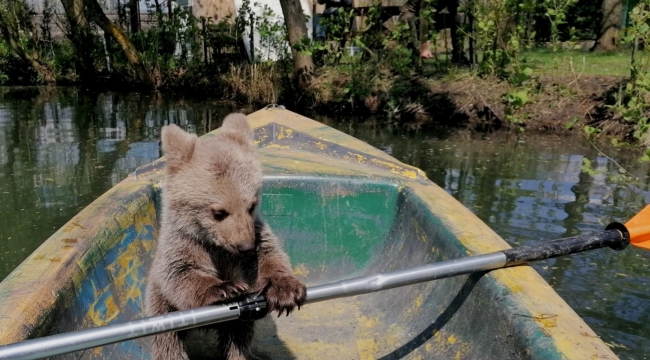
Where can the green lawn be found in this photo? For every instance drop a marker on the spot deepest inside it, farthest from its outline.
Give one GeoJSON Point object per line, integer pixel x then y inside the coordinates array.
{"type": "Point", "coordinates": [547, 62]}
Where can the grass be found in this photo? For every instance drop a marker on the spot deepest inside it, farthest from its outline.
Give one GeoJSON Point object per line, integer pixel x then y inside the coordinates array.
{"type": "Point", "coordinates": [253, 83]}
{"type": "Point", "coordinates": [559, 63]}
{"type": "Point", "coordinates": [563, 63]}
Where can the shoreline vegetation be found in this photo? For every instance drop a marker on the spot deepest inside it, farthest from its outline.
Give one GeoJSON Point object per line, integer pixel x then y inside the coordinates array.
{"type": "Point", "coordinates": [509, 64]}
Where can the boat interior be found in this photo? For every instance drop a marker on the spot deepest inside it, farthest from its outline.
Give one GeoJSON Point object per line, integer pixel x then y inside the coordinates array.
{"type": "Point", "coordinates": [332, 229]}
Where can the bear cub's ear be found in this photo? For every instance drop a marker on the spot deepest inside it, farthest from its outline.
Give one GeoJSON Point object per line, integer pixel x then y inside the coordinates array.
{"type": "Point", "coordinates": [177, 145]}
{"type": "Point", "coordinates": [237, 125]}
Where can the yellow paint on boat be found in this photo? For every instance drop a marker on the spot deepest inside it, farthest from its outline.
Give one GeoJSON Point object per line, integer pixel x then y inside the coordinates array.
{"type": "Point", "coordinates": [301, 271]}
{"type": "Point", "coordinates": [418, 301]}
{"type": "Point", "coordinates": [101, 318]}
{"type": "Point", "coordinates": [366, 348]}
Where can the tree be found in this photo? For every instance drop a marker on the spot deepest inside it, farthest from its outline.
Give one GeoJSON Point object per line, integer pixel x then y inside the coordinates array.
{"type": "Point", "coordinates": [303, 65]}
{"type": "Point", "coordinates": [13, 13]}
{"type": "Point", "coordinates": [81, 37]}
{"type": "Point", "coordinates": [134, 16]}
{"type": "Point", "coordinates": [95, 13]}
{"type": "Point", "coordinates": [609, 25]}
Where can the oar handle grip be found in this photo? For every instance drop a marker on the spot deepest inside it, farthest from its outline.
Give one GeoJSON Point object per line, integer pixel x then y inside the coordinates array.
{"type": "Point", "coordinates": [615, 236]}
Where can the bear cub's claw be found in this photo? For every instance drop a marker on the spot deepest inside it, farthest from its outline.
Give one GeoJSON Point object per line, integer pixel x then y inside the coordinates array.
{"type": "Point", "coordinates": [283, 293]}
{"type": "Point", "coordinates": [229, 290]}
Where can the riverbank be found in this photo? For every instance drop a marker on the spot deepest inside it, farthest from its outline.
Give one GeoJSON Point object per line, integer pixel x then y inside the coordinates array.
{"type": "Point", "coordinates": [567, 92]}
{"type": "Point", "coordinates": [551, 103]}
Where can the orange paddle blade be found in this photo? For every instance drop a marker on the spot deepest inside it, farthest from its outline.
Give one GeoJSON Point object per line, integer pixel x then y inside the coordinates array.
{"type": "Point", "coordinates": [639, 228]}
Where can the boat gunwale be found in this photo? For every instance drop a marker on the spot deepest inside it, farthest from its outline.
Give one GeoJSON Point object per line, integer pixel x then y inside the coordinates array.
{"type": "Point", "coordinates": [60, 261]}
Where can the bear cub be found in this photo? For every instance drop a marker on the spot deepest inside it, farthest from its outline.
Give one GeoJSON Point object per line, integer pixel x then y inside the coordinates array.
{"type": "Point", "coordinates": [213, 244]}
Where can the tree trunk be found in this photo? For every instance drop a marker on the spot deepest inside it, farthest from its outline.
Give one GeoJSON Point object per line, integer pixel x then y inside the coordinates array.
{"type": "Point", "coordinates": [609, 25]}
{"type": "Point", "coordinates": [134, 16]}
{"type": "Point", "coordinates": [455, 29]}
{"type": "Point", "coordinates": [81, 38]}
{"type": "Point", "coordinates": [170, 9]}
{"type": "Point", "coordinates": [303, 65]}
{"type": "Point", "coordinates": [96, 14]}
{"type": "Point", "coordinates": [9, 30]}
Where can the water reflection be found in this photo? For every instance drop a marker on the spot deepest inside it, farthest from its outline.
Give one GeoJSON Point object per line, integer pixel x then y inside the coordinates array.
{"type": "Point", "coordinates": [59, 150]}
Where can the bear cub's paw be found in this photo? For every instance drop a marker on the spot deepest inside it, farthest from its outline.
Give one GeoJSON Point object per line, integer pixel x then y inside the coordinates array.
{"type": "Point", "coordinates": [227, 291]}
{"type": "Point", "coordinates": [283, 293]}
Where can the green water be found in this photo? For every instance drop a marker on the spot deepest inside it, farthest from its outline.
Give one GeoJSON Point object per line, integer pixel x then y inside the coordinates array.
{"type": "Point", "coordinates": [60, 149]}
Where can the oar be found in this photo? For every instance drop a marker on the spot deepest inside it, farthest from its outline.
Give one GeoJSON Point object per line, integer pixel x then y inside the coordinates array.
{"type": "Point", "coordinates": [616, 236]}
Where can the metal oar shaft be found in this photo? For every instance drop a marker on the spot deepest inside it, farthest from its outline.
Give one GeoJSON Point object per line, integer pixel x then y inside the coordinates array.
{"type": "Point", "coordinates": [255, 307]}
{"type": "Point", "coordinates": [182, 320]}
{"type": "Point", "coordinates": [109, 334]}
{"type": "Point", "coordinates": [372, 283]}
{"type": "Point", "coordinates": [511, 257]}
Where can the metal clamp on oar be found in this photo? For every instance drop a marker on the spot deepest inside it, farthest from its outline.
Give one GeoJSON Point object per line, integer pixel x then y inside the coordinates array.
{"type": "Point", "coordinates": [253, 307]}
{"type": "Point", "coordinates": [616, 236]}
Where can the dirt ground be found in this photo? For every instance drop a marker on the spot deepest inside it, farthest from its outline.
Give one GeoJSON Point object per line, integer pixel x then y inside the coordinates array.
{"type": "Point", "coordinates": [477, 103]}
{"type": "Point", "coordinates": [553, 102]}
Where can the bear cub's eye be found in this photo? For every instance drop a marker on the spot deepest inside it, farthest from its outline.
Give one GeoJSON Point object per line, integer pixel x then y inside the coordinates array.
{"type": "Point", "coordinates": [252, 208]}
{"type": "Point", "coordinates": [219, 215]}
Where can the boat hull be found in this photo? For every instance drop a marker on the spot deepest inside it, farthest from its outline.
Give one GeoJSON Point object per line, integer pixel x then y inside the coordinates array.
{"type": "Point", "coordinates": [343, 209]}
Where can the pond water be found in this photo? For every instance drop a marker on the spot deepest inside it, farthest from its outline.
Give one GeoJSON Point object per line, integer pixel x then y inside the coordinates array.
{"type": "Point", "coordinates": [62, 148]}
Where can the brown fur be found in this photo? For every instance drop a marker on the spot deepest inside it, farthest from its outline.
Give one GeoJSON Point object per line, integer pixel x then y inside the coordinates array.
{"type": "Point", "coordinates": [204, 257]}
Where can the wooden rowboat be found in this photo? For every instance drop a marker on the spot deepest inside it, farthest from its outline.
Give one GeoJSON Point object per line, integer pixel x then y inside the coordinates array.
{"type": "Point", "coordinates": [343, 208]}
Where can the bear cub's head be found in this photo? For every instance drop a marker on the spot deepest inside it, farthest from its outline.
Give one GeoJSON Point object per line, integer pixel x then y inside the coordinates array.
{"type": "Point", "coordinates": [212, 184]}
